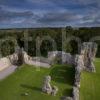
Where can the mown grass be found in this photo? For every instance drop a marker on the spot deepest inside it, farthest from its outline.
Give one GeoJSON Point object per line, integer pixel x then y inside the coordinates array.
{"type": "Point", "coordinates": [90, 84]}
{"type": "Point", "coordinates": [28, 80]}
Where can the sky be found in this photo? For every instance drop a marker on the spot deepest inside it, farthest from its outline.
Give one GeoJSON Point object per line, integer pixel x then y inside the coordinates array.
{"type": "Point", "coordinates": [49, 13]}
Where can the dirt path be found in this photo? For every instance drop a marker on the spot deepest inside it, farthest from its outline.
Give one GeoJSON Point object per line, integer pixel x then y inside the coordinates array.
{"type": "Point", "coordinates": [6, 72]}
{"type": "Point", "coordinates": [9, 70]}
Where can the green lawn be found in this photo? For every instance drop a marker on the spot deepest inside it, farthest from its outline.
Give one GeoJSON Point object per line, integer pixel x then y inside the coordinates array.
{"type": "Point", "coordinates": [90, 84]}
{"type": "Point", "coordinates": [27, 79]}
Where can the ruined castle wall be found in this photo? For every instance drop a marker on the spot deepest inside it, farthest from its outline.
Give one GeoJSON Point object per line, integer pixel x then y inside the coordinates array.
{"type": "Point", "coordinates": [4, 63]}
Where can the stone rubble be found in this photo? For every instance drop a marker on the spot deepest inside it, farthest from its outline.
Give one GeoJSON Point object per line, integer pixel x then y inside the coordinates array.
{"type": "Point", "coordinates": [47, 88]}
{"type": "Point", "coordinates": [46, 85]}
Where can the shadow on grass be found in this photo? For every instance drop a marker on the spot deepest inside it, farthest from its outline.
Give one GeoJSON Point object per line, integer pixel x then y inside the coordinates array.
{"type": "Point", "coordinates": [31, 87]}
{"type": "Point", "coordinates": [67, 92]}
{"type": "Point", "coordinates": [63, 74]}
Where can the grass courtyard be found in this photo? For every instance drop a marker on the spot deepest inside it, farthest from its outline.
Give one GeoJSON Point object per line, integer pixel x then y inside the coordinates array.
{"type": "Point", "coordinates": [28, 80]}
{"type": "Point", "coordinates": [90, 84]}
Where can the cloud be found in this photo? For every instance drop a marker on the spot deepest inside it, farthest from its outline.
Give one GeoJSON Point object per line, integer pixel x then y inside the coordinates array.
{"type": "Point", "coordinates": [58, 17]}
{"type": "Point", "coordinates": [91, 23]}
{"type": "Point", "coordinates": [7, 16]}
{"type": "Point", "coordinates": [36, 13]}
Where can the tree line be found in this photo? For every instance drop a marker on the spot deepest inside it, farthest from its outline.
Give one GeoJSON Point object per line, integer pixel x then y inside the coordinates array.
{"type": "Point", "coordinates": [83, 33]}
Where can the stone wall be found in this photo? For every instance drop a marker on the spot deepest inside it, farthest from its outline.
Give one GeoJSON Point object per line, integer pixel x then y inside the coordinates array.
{"type": "Point", "coordinates": [89, 49]}
{"type": "Point", "coordinates": [4, 63]}
{"type": "Point", "coordinates": [61, 56]}
{"type": "Point", "coordinates": [10, 60]}
{"type": "Point", "coordinates": [36, 61]}
{"type": "Point", "coordinates": [78, 69]}
{"type": "Point", "coordinates": [83, 61]}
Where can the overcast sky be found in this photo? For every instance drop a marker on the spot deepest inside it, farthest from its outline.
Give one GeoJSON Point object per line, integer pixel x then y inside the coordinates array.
{"type": "Point", "coordinates": [49, 13]}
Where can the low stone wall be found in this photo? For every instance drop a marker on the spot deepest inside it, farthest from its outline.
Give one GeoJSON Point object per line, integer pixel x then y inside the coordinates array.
{"type": "Point", "coordinates": [4, 63]}
{"type": "Point", "coordinates": [41, 59]}
{"type": "Point", "coordinates": [63, 57]}
{"type": "Point", "coordinates": [75, 93]}
{"type": "Point", "coordinates": [36, 61]}
{"type": "Point", "coordinates": [12, 60]}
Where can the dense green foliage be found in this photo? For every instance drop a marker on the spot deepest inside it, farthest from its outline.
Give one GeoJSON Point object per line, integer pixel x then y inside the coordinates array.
{"type": "Point", "coordinates": [84, 34]}
{"type": "Point", "coordinates": [90, 84]}
{"type": "Point", "coordinates": [29, 80]}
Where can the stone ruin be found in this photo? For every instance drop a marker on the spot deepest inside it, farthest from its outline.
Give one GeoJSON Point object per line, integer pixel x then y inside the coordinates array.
{"type": "Point", "coordinates": [82, 61]}
{"type": "Point", "coordinates": [78, 69]}
{"type": "Point", "coordinates": [46, 85]}
{"type": "Point", "coordinates": [17, 58]}
{"type": "Point", "coordinates": [20, 54]}
{"type": "Point", "coordinates": [88, 50]}
{"type": "Point", "coordinates": [47, 88]}
{"type": "Point", "coordinates": [60, 57]}
{"type": "Point", "coordinates": [79, 65]}
{"type": "Point", "coordinates": [87, 54]}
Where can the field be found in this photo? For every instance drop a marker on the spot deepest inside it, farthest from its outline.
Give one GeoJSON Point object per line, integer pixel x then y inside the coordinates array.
{"type": "Point", "coordinates": [90, 84]}
{"type": "Point", "coordinates": [28, 80]}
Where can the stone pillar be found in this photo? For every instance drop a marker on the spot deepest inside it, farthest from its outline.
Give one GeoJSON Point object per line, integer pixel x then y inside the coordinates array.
{"type": "Point", "coordinates": [46, 85]}
{"type": "Point", "coordinates": [89, 49]}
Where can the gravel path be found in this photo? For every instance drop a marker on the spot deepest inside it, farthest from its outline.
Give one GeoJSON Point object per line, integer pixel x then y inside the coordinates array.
{"type": "Point", "coordinates": [38, 64]}
{"type": "Point", "coordinates": [6, 72]}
